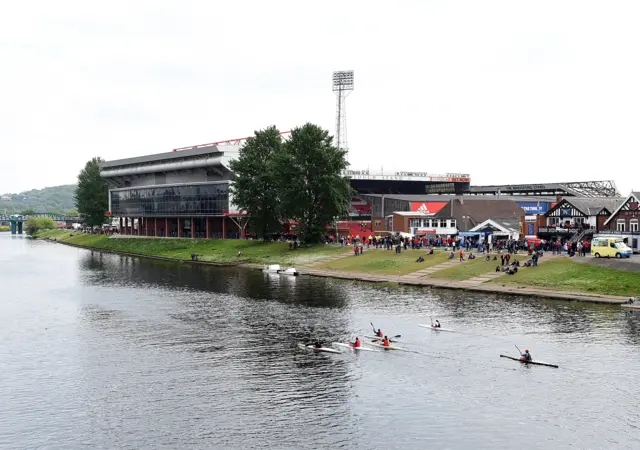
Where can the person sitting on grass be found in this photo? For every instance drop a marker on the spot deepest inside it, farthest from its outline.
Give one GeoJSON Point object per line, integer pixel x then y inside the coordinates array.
{"type": "Point", "coordinates": [452, 255]}
{"type": "Point", "coordinates": [486, 258]}
{"type": "Point", "coordinates": [471, 256]}
{"type": "Point", "coordinates": [431, 251]}
{"type": "Point", "coordinates": [420, 259]}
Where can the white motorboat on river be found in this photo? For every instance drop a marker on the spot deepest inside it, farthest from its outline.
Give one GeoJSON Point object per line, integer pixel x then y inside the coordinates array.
{"type": "Point", "coordinates": [275, 268]}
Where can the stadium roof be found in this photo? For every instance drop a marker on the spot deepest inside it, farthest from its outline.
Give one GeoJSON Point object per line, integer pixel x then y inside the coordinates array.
{"type": "Point", "coordinates": [447, 197]}
{"type": "Point", "coordinates": [567, 189]}
{"type": "Point", "coordinates": [192, 153]}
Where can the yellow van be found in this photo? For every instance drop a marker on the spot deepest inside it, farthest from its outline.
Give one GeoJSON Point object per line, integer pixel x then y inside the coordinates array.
{"type": "Point", "coordinates": [608, 246]}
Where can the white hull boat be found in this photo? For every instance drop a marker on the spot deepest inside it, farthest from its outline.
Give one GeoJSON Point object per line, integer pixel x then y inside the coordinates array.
{"type": "Point", "coordinates": [275, 268]}
{"type": "Point", "coordinates": [341, 344]}
{"type": "Point", "coordinates": [435, 328]}
{"type": "Point", "coordinates": [319, 349]}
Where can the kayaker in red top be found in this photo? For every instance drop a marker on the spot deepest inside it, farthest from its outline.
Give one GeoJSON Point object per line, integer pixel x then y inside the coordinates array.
{"type": "Point", "coordinates": [526, 356]}
{"type": "Point", "coordinates": [385, 342]}
{"type": "Point", "coordinates": [356, 343]}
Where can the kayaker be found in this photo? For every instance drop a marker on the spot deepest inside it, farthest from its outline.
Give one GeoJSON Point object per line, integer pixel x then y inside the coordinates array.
{"type": "Point", "coordinates": [437, 324]}
{"type": "Point", "coordinates": [318, 344]}
{"type": "Point", "coordinates": [356, 343]}
{"type": "Point", "coordinates": [386, 342]}
{"type": "Point", "coordinates": [378, 333]}
{"type": "Point", "coordinates": [526, 356]}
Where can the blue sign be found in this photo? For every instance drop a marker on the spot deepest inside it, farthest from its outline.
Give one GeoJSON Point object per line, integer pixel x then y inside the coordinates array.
{"type": "Point", "coordinates": [534, 207]}
{"type": "Point", "coordinates": [530, 229]}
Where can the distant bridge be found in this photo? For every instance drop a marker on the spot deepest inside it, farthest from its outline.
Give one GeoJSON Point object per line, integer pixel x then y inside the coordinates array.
{"type": "Point", "coordinates": [17, 220]}
{"type": "Point", "coordinates": [54, 217]}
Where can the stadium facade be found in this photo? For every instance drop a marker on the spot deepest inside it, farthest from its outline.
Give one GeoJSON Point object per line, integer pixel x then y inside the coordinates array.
{"type": "Point", "coordinates": [186, 193]}
{"type": "Point", "coordinates": [183, 193]}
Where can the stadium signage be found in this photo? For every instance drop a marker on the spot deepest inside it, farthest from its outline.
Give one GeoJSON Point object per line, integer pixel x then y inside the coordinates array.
{"type": "Point", "coordinates": [419, 176]}
{"type": "Point", "coordinates": [534, 207]}
{"type": "Point", "coordinates": [557, 230]}
{"type": "Point", "coordinates": [427, 207]}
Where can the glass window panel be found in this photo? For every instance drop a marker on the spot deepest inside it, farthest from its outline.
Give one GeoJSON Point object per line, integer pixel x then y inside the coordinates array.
{"type": "Point", "coordinates": [194, 200]}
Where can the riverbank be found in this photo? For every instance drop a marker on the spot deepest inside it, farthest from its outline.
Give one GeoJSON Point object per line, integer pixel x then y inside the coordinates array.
{"type": "Point", "coordinates": [557, 276]}
{"type": "Point", "coordinates": [4, 228]}
{"type": "Point", "coordinates": [219, 252]}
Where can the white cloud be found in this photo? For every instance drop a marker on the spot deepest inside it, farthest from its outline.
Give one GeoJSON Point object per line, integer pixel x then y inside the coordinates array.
{"type": "Point", "coordinates": [506, 91]}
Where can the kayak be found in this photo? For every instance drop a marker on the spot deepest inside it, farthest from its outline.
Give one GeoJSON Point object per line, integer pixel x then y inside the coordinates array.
{"type": "Point", "coordinates": [321, 349]}
{"type": "Point", "coordinates": [353, 348]}
{"type": "Point", "coordinates": [391, 347]}
{"type": "Point", "coordinates": [374, 337]}
{"type": "Point", "coordinates": [435, 328]}
{"type": "Point", "coordinates": [539, 363]}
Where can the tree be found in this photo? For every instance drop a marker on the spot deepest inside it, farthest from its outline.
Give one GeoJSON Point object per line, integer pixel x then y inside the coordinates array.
{"type": "Point", "coordinates": [255, 190]}
{"type": "Point", "coordinates": [34, 225]}
{"type": "Point", "coordinates": [91, 195]}
{"type": "Point", "coordinates": [28, 212]}
{"type": "Point", "coordinates": [311, 185]}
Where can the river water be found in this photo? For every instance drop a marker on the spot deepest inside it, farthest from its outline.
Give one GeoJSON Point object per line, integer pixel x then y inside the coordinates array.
{"type": "Point", "coordinates": [101, 351]}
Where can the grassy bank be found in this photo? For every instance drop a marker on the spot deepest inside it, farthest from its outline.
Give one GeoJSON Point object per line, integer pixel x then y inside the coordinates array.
{"type": "Point", "coordinates": [221, 251]}
{"type": "Point", "coordinates": [384, 262]}
{"type": "Point", "coordinates": [565, 275]}
{"type": "Point", "coordinates": [4, 228]}
{"type": "Point", "coordinates": [472, 268]}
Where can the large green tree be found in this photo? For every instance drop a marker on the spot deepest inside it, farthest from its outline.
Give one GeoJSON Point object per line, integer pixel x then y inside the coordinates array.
{"type": "Point", "coordinates": [255, 189]}
{"type": "Point", "coordinates": [92, 194]}
{"type": "Point", "coordinates": [309, 173]}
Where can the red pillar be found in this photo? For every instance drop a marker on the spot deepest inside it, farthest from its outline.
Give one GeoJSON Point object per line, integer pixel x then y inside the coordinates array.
{"type": "Point", "coordinates": [155, 227]}
{"type": "Point", "coordinates": [166, 227]}
{"type": "Point", "coordinates": [146, 227]}
{"type": "Point", "coordinates": [206, 227]}
{"type": "Point", "coordinates": [193, 228]}
{"type": "Point", "coordinates": [179, 232]}
{"type": "Point", "coordinates": [139, 225]}
{"type": "Point", "coordinates": [121, 226]}
{"type": "Point", "coordinates": [224, 227]}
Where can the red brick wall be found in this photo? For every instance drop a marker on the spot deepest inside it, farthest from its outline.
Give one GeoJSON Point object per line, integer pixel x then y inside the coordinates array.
{"type": "Point", "coordinates": [600, 223]}
{"type": "Point", "coordinates": [379, 226]}
{"type": "Point", "coordinates": [626, 216]}
{"type": "Point", "coordinates": [400, 223]}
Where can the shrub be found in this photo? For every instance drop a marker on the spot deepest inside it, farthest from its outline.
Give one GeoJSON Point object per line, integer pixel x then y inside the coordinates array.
{"type": "Point", "coordinates": [36, 224]}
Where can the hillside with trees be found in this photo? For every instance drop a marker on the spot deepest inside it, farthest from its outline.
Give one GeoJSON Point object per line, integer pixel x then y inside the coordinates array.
{"type": "Point", "coordinates": [56, 199]}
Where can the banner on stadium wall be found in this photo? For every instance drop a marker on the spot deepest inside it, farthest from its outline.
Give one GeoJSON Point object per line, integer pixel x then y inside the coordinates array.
{"type": "Point", "coordinates": [427, 207]}
{"type": "Point", "coordinates": [534, 207]}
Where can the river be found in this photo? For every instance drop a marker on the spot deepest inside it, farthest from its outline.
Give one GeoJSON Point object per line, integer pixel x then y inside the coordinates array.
{"type": "Point", "coordinates": [102, 351]}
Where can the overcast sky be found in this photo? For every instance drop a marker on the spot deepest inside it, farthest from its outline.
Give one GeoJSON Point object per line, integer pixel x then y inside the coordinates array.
{"type": "Point", "coordinates": [507, 91]}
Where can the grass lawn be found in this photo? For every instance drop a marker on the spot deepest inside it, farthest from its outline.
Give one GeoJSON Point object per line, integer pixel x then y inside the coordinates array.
{"type": "Point", "coordinates": [469, 269]}
{"type": "Point", "coordinates": [565, 275]}
{"type": "Point", "coordinates": [384, 262]}
{"type": "Point", "coordinates": [208, 250]}
{"type": "Point", "coordinates": [4, 228]}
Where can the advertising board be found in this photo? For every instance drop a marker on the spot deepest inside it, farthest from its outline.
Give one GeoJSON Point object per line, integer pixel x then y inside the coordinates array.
{"type": "Point", "coordinates": [427, 207]}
